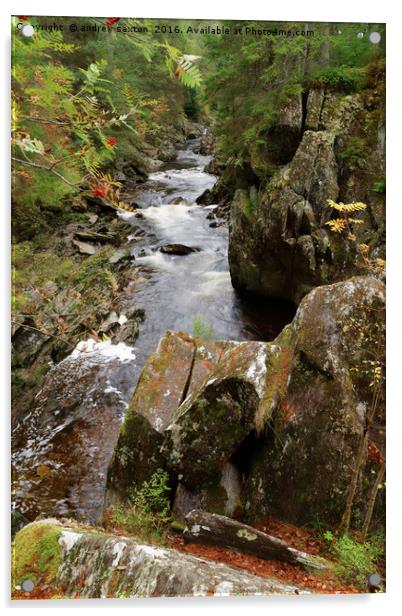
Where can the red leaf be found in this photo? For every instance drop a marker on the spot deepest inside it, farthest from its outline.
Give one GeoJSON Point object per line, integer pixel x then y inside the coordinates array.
{"type": "Point", "coordinates": [112, 20]}
{"type": "Point", "coordinates": [99, 191]}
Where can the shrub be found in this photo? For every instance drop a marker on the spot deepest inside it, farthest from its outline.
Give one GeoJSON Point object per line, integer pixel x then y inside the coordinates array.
{"type": "Point", "coordinates": [201, 329]}
{"type": "Point", "coordinates": [148, 516]}
{"type": "Point", "coordinates": [356, 560]}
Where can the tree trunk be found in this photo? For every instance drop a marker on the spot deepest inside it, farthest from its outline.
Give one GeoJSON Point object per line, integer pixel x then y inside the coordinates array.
{"type": "Point", "coordinates": [214, 529]}
{"type": "Point", "coordinates": [360, 459]}
{"type": "Point", "coordinates": [371, 502]}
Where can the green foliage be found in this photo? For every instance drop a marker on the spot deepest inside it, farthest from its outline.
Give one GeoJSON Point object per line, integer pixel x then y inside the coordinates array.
{"type": "Point", "coordinates": [328, 536]}
{"type": "Point", "coordinates": [148, 516]}
{"type": "Point", "coordinates": [340, 78]}
{"type": "Point", "coordinates": [380, 186]}
{"type": "Point", "coordinates": [32, 269]}
{"type": "Point", "coordinates": [192, 106]}
{"type": "Point", "coordinates": [354, 150]}
{"type": "Point", "coordinates": [356, 560]}
{"type": "Point", "coordinates": [78, 104]}
{"type": "Point", "coordinates": [253, 77]}
{"type": "Point", "coordinates": [201, 329]}
{"type": "Point", "coordinates": [153, 496]}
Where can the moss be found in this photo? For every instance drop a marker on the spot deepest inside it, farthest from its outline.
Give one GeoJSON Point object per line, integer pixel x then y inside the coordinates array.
{"type": "Point", "coordinates": [280, 366]}
{"type": "Point", "coordinates": [249, 208]}
{"type": "Point", "coordinates": [37, 554]}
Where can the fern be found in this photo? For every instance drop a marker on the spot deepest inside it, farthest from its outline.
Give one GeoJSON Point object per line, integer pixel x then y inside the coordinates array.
{"type": "Point", "coordinates": [342, 223]}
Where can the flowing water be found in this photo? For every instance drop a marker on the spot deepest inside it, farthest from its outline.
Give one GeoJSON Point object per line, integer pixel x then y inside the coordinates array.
{"type": "Point", "coordinates": [61, 450]}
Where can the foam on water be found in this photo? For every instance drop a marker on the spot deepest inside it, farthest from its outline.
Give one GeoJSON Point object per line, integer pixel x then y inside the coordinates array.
{"type": "Point", "coordinates": [105, 349]}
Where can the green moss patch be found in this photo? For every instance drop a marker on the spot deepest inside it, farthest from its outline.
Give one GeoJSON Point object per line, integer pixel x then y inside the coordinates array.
{"type": "Point", "coordinates": [37, 554]}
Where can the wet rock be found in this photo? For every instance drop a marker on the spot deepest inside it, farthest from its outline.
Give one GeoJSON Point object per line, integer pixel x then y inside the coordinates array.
{"type": "Point", "coordinates": [204, 527]}
{"type": "Point", "coordinates": [96, 236]}
{"type": "Point", "coordinates": [122, 254]}
{"type": "Point", "coordinates": [233, 176]}
{"type": "Point", "coordinates": [62, 449]}
{"type": "Point", "coordinates": [207, 143]}
{"type": "Point", "coordinates": [179, 201]}
{"type": "Point", "coordinates": [178, 249]}
{"type": "Point", "coordinates": [94, 565]}
{"type": "Point", "coordinates": [155, 165]}
{"type": "Point", "coordinates": [112, 320]}
{"type": "Point", "coordinates": [321, 393]}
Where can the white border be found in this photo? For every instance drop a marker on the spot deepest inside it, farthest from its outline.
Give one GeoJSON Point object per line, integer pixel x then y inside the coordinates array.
{"type": "Point", "coordinates": [293, 10]}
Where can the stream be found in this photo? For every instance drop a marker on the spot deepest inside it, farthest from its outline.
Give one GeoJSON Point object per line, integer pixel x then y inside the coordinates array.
{"type": "Point", "coordinates": [62, 449]}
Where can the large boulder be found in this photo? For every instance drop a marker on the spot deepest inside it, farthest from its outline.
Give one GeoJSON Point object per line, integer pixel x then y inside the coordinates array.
{"type": "Point", "coordinates": [62, 448]}
{"type": "Point", "coordinates": [75, 563]}
{"type": "Point", "coordinates": [194, 405]}
{"type": "Point", "coordinates": [322, 390]}
{"type": "Point", "coordinates": [171, 373]}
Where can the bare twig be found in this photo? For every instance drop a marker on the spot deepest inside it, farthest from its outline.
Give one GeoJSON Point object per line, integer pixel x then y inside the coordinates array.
{"type": "Point", "coordinates": [40, 331]}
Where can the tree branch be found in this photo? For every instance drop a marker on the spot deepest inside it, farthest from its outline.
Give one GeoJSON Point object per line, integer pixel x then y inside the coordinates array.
{"type": "Point", "coordinates": [39, 166]}
{"type": "Point", "coordinates": [46, 121]}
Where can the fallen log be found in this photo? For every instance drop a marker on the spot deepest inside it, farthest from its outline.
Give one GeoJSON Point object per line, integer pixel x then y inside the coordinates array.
{"type": "Point", "coordinates": [214, 529]}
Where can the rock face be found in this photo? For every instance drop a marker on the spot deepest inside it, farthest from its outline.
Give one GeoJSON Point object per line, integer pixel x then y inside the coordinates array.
{"type": "Point", "coordinates": [279, 245]}
{"type": "Point", "coordinates": [322, 393]}
{"type": "Point", "coordinates": [82, 564]}
{"type": "Point", "coordinates": [249, 429]}
{"type": "Point", "coordinates": [160, 390]}
{"type": "Point", "coordinates": [223, 494]}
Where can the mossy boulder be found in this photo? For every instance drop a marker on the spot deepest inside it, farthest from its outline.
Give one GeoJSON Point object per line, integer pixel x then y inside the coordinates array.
{"type": "Point", "coordinates": [37, 554]}
{"type": "Point", "coordinates": [215, 418]}
{"type": "Point", "coordinates": [303, 466]}
{"type": "Point", "coordinates": [73, 562]}
{"type": "Point", "coordinates": [173, 371]}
